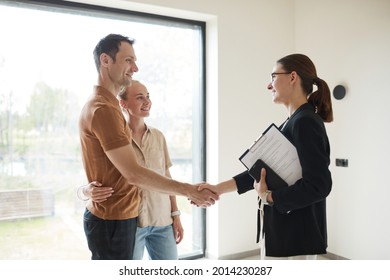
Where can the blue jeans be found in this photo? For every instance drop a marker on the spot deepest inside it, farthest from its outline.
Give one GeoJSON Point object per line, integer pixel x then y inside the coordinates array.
{"type": "Point", "coordinates": [159, 241]}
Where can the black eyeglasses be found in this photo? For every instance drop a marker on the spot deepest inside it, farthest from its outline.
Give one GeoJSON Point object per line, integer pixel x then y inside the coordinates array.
{"type": "Point", "coordinates": [273, 75]}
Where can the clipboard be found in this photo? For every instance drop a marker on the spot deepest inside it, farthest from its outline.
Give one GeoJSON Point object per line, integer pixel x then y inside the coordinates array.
{"type": "Point", "coordinates": [242, 157]}
{"type": "Point", "coordinates": [274, 152]}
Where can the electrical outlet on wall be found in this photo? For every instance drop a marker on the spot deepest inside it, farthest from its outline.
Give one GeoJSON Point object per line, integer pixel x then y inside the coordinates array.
{"type": "Point", "coordinates": [342, 162]}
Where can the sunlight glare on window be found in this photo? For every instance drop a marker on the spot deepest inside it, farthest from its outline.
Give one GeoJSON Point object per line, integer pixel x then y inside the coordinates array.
{"type": "Point", "coordinates": [46, 74]}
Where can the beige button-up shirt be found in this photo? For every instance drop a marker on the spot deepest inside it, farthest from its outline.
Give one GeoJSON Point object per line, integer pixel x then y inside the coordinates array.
{"type": "Point", "coordinates": [152, 153]}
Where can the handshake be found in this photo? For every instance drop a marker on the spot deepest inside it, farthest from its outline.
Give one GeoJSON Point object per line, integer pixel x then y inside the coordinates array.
{"type": "Point", "coordinates": [201, 194]}
{"type": "Point", "coordinates": [204, 195]}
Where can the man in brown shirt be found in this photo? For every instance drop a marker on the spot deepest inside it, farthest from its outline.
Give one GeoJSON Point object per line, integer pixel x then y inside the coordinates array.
{"type": "Point", "coordinates": [109, 158]}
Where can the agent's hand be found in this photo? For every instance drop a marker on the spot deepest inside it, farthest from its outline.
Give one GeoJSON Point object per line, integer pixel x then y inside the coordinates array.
{"type": "Point", "coordinates": [261, 187]}
{"type": "Point", "coordinates": [96, 192]}
{"type": "Point", "coordinates": [220, 188]}
{"type": "Point", "coordinates": [207, 186]}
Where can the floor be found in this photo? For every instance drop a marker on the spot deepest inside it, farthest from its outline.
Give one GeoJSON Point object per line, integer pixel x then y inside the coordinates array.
{"type": "Point", "coordinates": [319, 257]}
{"type": "Point", "coordinates": [257, 257]}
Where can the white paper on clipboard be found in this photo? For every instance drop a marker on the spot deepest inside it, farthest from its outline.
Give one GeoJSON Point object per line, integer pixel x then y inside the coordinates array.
{"type": "Point", "coordinates": [277, 152]}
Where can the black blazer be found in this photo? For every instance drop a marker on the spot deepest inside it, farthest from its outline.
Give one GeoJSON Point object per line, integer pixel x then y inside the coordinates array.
{"type": "Point", "coordinates": [296, 223]}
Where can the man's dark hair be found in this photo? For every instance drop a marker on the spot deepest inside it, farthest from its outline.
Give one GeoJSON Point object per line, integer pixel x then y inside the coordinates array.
{"type": "Point", "coordinates": [109, 45]}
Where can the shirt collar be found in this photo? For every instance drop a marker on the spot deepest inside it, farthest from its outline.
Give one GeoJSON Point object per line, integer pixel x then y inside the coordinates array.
{"type": "Point", "coordinates": [106, 94]}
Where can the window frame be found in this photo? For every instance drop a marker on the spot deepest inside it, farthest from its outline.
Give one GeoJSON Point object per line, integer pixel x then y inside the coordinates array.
{"type": "Point", "coordinates": [110, 12]}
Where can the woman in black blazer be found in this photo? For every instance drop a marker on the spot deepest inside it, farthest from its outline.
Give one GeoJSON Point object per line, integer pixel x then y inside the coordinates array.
{"type": "Point", "coordinates": [295, 217]}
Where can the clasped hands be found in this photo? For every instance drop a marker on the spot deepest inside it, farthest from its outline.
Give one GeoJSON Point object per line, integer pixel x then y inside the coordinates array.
{"type": "Point", "coordinates": [202, 194]}
{"type": "Point", "coordinates": [261, 187]}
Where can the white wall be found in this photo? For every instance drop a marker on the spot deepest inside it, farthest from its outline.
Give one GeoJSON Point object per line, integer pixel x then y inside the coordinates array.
{"type": "Point", "coordinates": [349, 41]}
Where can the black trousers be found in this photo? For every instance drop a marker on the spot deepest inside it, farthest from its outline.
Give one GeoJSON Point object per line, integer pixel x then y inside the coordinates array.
{"type": "Point", "coordinates": [110, 239]}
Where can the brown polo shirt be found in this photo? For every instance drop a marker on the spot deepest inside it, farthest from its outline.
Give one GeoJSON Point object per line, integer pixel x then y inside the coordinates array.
{"type": "Point", "coordinates": [103, 128]}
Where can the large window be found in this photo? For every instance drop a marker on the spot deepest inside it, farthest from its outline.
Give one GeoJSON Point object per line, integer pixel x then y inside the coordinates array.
{"type": "Point", "coordinates": [46, 74]}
